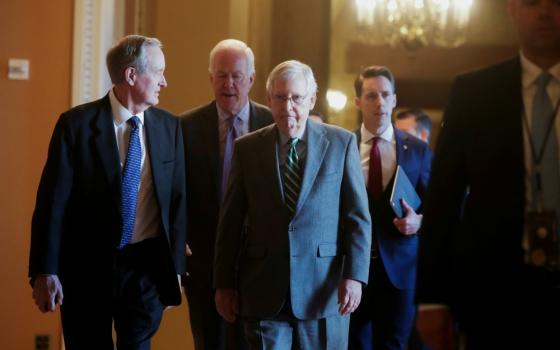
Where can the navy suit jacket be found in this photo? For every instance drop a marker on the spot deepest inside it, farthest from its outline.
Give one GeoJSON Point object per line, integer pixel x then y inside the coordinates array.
{"type": "Point", "coordinates": [77, 223]}
{"type": "Point", "coordinates": [399, 252]}
{"type": "Point", "coordinates": [203, 181]}
{"type": "Point", "coordinates": [476, 242]}
{"type": "Point", "coordinates": [305, 257]}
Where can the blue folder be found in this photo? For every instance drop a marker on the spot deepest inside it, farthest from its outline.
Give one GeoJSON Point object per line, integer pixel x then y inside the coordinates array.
{"type": "Point", "coordinates": [403, 189]}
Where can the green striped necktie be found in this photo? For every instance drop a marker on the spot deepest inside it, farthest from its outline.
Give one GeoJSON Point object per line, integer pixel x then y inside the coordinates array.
{"type": "Point", "coordinates": [292, 177]}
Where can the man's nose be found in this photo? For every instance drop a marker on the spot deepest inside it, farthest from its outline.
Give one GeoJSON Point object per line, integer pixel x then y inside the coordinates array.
{"type": "Point", "coordinates": [288, 104]}
{"type": "Point", "coordinates": [228, 81]}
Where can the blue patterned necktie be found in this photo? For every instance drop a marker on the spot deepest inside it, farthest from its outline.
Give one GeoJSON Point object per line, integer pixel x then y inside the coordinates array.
{"type": "Point", "coordinates": [292, 177]}
{"type": "Point", "coordinates": [542, 121]}
{"type": "Point", "coordinates": [130, 182]}
{"type": "Point", "coordinates": [228, 152]}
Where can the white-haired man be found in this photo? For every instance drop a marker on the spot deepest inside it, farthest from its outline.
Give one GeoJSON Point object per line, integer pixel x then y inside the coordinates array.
{"type": "Point", "coordinates": [295, 273]}
{"type": "Point", "coordinates": [108, 231]}
{"type": "Point", "coordinates": [209, 133]}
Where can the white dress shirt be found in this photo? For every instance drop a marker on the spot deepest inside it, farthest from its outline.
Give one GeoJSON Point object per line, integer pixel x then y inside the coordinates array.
{"type": "Point", "coordinates": [530, 73]}
{"type": "Point", "coordinates": [147, 223]}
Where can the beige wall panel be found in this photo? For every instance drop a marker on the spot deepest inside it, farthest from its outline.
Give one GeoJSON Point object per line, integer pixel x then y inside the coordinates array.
{"type": "Point", "coordinates": [41, 32]}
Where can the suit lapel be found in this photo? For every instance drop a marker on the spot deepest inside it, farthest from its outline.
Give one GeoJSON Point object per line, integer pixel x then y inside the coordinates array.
{"type": "Point", "coordinates": [154, 138]}
{"type": "Point", "coordinates": [509, 118]}
{"type": "Point", "coordinates": [317, 145]}
{"type": "Point", "coordinates": [512, 104]}
{"type": "Point", "coordinates": [401, 144]}
{"type": "Point", "coordinates": [255, 122]}
{"type": "Point", "coordinates": [211, 136]}
{"type": "Point", "coordinates": [106, 144]}
{"type": "Point", "coordinates": [269, 160]}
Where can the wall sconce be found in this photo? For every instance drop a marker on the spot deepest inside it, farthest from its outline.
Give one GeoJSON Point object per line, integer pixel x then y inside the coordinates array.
{"type": "Point", "coordinates": [336, 100]}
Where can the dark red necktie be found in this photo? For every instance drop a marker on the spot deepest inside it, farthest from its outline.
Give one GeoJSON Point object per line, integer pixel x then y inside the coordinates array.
{"type": "Point", "coordinates": [375, 184]}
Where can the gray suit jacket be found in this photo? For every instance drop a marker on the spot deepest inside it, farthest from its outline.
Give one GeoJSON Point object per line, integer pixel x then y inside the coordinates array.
{"type": "Point", "coordinates": [304, 258]}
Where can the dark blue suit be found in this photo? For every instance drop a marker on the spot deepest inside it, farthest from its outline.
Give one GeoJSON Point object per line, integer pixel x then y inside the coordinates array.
{"type": "Point", "coordinates": [385, 316]}
{"type": "Point", "coordinates": [471, 255]}
{"type": "Point", "coordinates": [77, 227]}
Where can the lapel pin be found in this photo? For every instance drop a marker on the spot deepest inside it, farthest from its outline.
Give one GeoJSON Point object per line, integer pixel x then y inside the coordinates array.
{"type": "Point", "coordinates": [405, 147]}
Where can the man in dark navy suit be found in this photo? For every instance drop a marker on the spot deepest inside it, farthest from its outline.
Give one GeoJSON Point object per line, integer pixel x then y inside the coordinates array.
{"type": "Point", "coordinates": [108, 231]}
{"type": "Point", "coordinates": [472, 253]}
{"type": "Point", "coordinates": [384, 320]}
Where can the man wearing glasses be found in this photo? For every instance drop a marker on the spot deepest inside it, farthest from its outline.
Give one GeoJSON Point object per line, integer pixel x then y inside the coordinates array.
{"type": "Point", "coordinates": [296, 273]}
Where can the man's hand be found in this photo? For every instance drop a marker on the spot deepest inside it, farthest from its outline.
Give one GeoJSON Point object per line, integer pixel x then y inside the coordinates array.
{"type": "Point", "coordinates": [436, 328]}
{"type": "Point", "coordinates": [227, 303]}
{"type": "Point", "coordinates": [47, 292]}
{"type": "Point", "coordinates": [349, 296]}
{"type": "Point", "coordinates": [410, 223]}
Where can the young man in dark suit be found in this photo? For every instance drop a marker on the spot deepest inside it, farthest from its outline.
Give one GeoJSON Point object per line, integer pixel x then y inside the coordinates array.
{"type": "Point", "coordinates": [384, 320]}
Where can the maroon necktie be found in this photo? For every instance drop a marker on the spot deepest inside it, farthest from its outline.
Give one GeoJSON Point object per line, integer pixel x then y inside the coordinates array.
{"type": "Point", "coordinates": [375, 185]}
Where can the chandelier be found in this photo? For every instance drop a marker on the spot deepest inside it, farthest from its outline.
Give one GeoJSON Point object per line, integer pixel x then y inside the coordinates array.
{"type": "Point", "coordinates": [413, 23]}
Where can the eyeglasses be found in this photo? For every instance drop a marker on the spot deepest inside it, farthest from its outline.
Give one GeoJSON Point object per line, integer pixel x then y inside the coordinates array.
{"type": "Point", "coordinates": [294, 99]}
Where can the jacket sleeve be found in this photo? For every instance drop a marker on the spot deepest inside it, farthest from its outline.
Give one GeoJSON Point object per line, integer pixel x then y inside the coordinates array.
{"type": "Point", "coordinates": [355, 216]}
{"type": "Point", "coordinates": [52, 200]}
{"type": "Point", "coordinates": [230, 226]}
{"type": "Point", "coordinates": [178, 207]}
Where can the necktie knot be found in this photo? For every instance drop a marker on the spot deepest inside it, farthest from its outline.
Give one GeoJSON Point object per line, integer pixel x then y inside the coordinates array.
{"type": "Point", "coordinates": [231, 121]}
{"type": "Point", "coordinates": [293, 155]}
{"type": "Point", "coordinates": [543, 80]}
{"type": "Point", "coordinates": [293, 142]}
{"type": "Point", "coordinates": [134, 121]}
{"type": "Point", "coordinates": [375, 141]}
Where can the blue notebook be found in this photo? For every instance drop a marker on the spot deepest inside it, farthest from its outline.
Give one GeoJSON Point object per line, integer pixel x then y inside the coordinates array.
{"type": "Point", "coordinates": [402, 188]}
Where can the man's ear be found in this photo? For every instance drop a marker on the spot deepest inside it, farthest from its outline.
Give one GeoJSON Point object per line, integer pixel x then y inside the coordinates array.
{"type": "Point", "coordinates": [313, 100]}
{"type": "Point", "coordinates": [130, 75]}
{"type": "Point", "coordinates": [251, 80]}
{"type": "Point", "coordinates": [357, 103]}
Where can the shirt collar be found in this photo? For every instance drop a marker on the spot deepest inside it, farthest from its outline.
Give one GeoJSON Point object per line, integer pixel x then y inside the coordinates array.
{"type": "Point", "coordinates": [387, 135]}
{"type": "Point", "coordinates": [120, 113]}
{"type": "Point", "coordinates": [531, 71]}
{"type": "Point", "coordinates": [243, 113]}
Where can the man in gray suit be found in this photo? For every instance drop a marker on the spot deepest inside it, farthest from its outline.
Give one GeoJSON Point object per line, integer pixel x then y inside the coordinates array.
{"type": "Point", "coordinates": [296, 271]}
{"type": "Point", "coordinates": [209, 132]}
